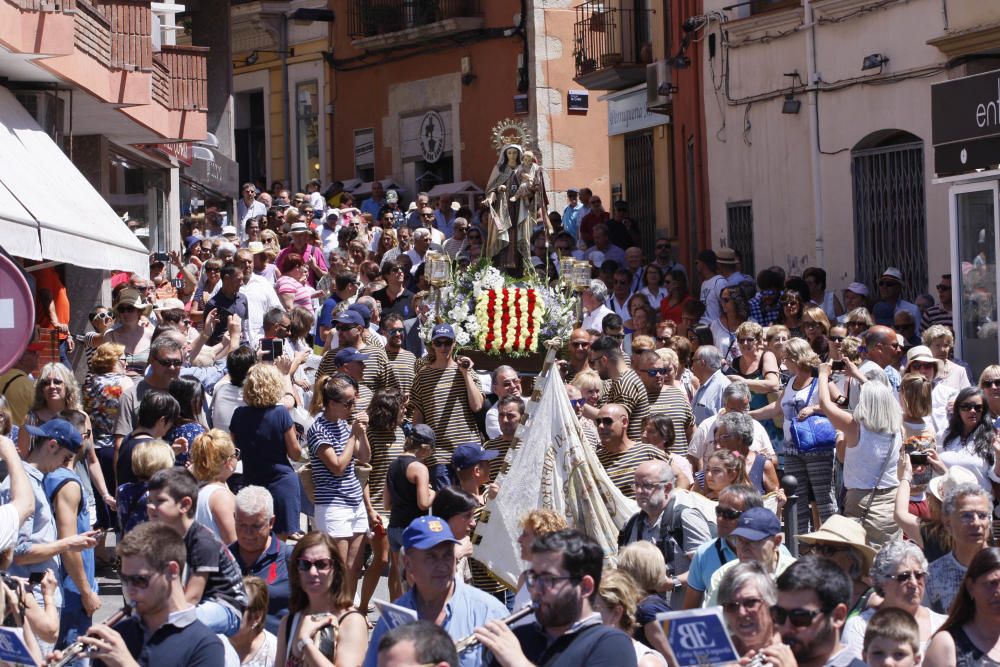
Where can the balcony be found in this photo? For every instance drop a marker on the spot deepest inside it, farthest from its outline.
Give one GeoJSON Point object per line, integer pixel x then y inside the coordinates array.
{"type": "Point", "coordinates": [612, 46]}
{"type": "Point", "coordinates": [377, 25]}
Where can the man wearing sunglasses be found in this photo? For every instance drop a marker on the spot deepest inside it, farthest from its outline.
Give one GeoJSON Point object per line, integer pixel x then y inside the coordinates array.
{"type": "Point", "coordinates": [813, 599]}
{"type": "Point", "coordinates": [579, 355]}
{"type": "Point", "coordinates": [166, 358]}
{"type": "Point", "coordinates": [757, 536]}
{"type": "Point", "coordinates": [890, 290]}
{"type": "Point", "coordinates": [164, 630]}
{"type": "Point", "coordinates": [394, 297]}
{"type": "Point", "coordinates": [665, 399]}
{"type": "Point", "coordinates": [435, 594]}
{"type": "Point", "coordinates": [402, 361]}
{"type": "Point", "coordinates": [940, 313]}
{"type": "Point", "coordinates": [882, 351]}
{"type": "Point", "coordinates": [626, 390]}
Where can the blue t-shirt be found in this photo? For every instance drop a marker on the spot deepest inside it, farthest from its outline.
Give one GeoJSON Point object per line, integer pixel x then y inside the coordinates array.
{"type": "Point", "coordinates": [260, 435]}
{"type": "Point", "coordinates": [325, 317]}
{"type": "Point", "coordinates": [646, 612]}
{"type": "Point", "coordinates": [340, 490]}
{"type": "Point", "coordinates": [706, 561]}
{"type": "Point", "coordinates": [54, 481]}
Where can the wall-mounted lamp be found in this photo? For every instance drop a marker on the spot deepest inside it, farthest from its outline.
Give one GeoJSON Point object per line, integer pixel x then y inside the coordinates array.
{"type": "Point", "coordinates": [874, 61]}
{"type": "Point", "coordinates": [791, 105]}
{"type": "Point", "coordinates": [255, 55]}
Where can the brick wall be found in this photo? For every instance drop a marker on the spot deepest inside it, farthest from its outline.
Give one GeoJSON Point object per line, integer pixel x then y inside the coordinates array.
{"type": "Point", "coordinates": [188, 70]}
{"type": "Point", "coordinates": [93, 33]}
{"type": "Point", "coordinates": [131, 33]}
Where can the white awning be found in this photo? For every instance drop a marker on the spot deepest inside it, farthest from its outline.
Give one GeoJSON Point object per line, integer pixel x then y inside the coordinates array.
{"type": "Point", "coordinates": [48, 209]}
{"type": "Point", "coordinates": [453, 189]}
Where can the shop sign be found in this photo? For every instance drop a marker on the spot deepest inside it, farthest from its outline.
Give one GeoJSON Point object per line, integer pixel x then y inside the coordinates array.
{"type": "Point", "coordinates": [220, 175]}
{"type": "Point", "coordinates": [417, 131]}
{"type": "Point", "coordinates": [627, 113]}
{"type": "Point", "coordinates": [965, 123]}
{"type": "Point", "coordinates": [181, 151]}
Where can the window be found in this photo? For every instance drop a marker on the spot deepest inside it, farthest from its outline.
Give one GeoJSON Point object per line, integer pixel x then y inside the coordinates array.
{"type": "Point", "coordinates": [890, 215]}
{"type": "Point", "coordinates": [739, 217]}
{"type": "Point", "coordinates": [640, 186]}
{"type": "Point", "coordinates": [975, 290]}
{"type": "Point", "coordinates": [307, 126]}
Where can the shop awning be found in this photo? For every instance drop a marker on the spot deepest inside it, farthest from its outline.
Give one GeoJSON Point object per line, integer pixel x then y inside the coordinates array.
{"type": "Point", "coordinates": [48, 209]}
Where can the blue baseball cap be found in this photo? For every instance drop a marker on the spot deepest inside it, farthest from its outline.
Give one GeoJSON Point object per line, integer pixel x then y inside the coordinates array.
{"type": "Point", "coordinates": [443, 331]}
{"type": "Point", "coordinates": [424, 434]}
{"type": "Point", "coordinates": [364, 311]}
{"type": "Point", "coordinates": [757, 523]}
{"type": "Point", "coordinates": [59, 430]}
{"type": "Point", "coordinates": [347, 355]}
{"type": "Point", "coordinates": [350, 317]}
{"type": "Point", "coordinates": [470, 454]}
{"type": "Point", "coordinates": [426, 532]}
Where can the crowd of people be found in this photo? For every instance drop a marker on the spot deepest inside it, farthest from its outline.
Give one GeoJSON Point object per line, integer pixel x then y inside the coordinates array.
{"type": "Point", "coordinates": [265, 430]}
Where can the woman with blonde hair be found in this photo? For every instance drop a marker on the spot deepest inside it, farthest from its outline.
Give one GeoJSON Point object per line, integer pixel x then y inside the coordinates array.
{"type": "Point", "coordinates": [589, 384]}
{"type": "Point", "coordinates": [941, 341]}
{"type": "Point", "coordinates": [756, 365]}
{"type": "Point", "coordinates": [264, 432]}
{"type": "Point", "coordinates": [800, 399]}
{"type": "Point", "coordinates": [644, 562]}
{"type": "Point", "coordinates": [214, 458]}
{"type": "Point", "coordinates": [617, 602]}
{"type": "Point", "coordinates": [148, 458]}
{"type": "Point", "coordinates": [386, 242]}
{"type": "Point", "coordinates": [989, 382]}
{"type": "Point", "coordinates": [815, 329]}
{"type": "Point", "coordinates": [858, 321]}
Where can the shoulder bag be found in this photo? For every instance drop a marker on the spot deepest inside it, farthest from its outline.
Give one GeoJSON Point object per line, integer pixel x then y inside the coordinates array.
{"type": "Point", "coordinates": [813, 434]}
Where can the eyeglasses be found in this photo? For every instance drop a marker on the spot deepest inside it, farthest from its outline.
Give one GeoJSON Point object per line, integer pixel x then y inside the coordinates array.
{"type": "Point", "coordinates": [650, 486]}
{"type": "Point", "coordinates": [140, 581]}
{"type": "Point", "coordinates": [943, 288]}
{"type": "Point", "coordinates": [750, 604]}
{"type": "Point", "coordinates": [836, 339]}
{"type": "Point", "coordinates": [655, 372]}
{"type": "Point", "coordinates": [727, 513]}
{"type": "Point", "coordinates": [321, 564]}
{"type": "Point", "coordinates": [546, 581]}
{"type": "Point", "coordinates": [426, 215]}
{"type": "Point", "coordinates": [236, 453]}
{"type": "Point", "coordinates": [810, 325]}
{"type": "Point", "coordinates": [971, 516]}
{"type": "Point", "coordinates": [923, 365]}
{"type": "Point", "coordinates": [169, 363]}
{"type": "Point", "coordinates": [604, 421]}
{"type": "Point", "coordinates": [210, 270]}
{"type": "Point", "coordinates": [800, 618]}
{"type": "Point", "coordinates": [618, 337]}
{"type": "Point", "coordinates": [577, 402]}
{"type": "Point", "coordinates": [581, 344]}
{"type": "Point", "coordinates": [50, 381]}
{"type": "Point", "coordinates": [971, 407]}
{"type": "Point", "coordinates": [347, 404]}
{"type": "Point", "coordinates": [903, 577]}
{"type": "Point", "coordinates": [746, 341]}
{"type": "Point", "coordinates": [991, 384]}
{"type": "Point", "coordinates": [443, 342]}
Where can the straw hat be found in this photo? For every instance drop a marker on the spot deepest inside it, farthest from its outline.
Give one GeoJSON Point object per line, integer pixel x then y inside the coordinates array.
{"type": "Point", "coordinates": [131, 297]}
{"type": "Point", "coordinates": [841, 530]}
{"type": "Point", "coordinates": [922, 353]}
{"type": "Point", "coordinates": [942, 484]}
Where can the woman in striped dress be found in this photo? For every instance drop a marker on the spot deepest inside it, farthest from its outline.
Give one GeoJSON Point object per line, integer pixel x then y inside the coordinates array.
{"type": "Point", "coordinates": [334, 439]}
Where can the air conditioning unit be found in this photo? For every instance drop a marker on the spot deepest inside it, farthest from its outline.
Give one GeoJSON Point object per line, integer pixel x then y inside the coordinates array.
{"type": "Point", "coordinates": [659, 87]}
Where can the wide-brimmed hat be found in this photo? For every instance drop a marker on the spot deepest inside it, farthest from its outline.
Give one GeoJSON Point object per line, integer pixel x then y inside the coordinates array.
{"type": "Point", "coordinates": [131, 297]}
{"type": "Point", "coordinates": [922, 353]}
{"type": "Point", "coordinates": [298, 227]}
{"type": "Point", "coordinates": [841, 530]}
{"type": "Point", "coordinates": [942, 484]}
{"type": "Point", "coordinates": [725, 256]}
{"type": "Point", "coordinates": [169, 304]}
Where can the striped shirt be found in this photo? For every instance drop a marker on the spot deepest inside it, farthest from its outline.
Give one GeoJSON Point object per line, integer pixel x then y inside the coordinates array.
{"type": "Point", "coordinates": [378, 373]}
{"type": "Point", "coordinates": [404, 364]}
{"type": "Point", "coordinates": [481, 577]}
{"type": "Point", "coordinates": [362, 401]}
{"type": "Point", "coordinates": [934, 315]}
{"type": "Point", "coordinates": [440, 396]}
{"type": "Point", "coordinates": [340, 490]}
{"type": "Point", "coordinates": [621, 466]}
{"type": "Point", "coordinates": [629, 392]}
{"type": "Point", "coordinates": [386, 447]}
{"type": "Point", "coordinates": [496, 465]}
{"type": "Point", "coordinates": [672, 402]}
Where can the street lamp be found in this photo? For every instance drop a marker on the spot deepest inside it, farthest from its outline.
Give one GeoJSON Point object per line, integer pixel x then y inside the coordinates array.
{"type": "Point", "coordinates": [438, 274]}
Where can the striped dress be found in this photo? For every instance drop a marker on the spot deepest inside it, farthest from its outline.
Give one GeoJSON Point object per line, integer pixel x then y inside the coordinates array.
{"type": "Point", "coordinates": [440, 396]}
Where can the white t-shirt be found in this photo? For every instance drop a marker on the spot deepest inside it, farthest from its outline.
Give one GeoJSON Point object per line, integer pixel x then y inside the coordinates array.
{"type": "Point", "coordinates": [225, 399]}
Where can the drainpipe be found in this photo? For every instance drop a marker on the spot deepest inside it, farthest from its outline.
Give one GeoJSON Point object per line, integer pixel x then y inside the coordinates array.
{"type": "Point", "coordinates": [813, 101]}
{"type": "Point", "coordinates": [286, 107]}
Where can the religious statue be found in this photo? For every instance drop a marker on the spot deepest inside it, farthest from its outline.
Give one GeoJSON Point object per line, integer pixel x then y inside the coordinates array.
{"type": "Point", "coordinates": [515, 195]}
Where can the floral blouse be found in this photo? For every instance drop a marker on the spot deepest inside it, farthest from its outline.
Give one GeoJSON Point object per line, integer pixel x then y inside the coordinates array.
{"type": "Point", "coordinates": [102, 401]}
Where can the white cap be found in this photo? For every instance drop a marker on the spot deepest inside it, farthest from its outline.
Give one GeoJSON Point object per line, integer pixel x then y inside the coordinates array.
{"type": "Point", "coordinates": [857, 288]}
{"type": "Point", "coordinates": [229, 229]}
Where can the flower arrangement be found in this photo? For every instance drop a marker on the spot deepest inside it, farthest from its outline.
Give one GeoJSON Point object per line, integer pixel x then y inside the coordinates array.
{"type": "Point", "coordinates": [500, 315]}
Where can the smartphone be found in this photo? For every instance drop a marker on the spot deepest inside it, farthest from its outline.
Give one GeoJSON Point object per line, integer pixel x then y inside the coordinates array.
{"type": "Point", "coordinates": [35, 578]}
{"type": "Point", "coordinates": [178, 283]}
{"type": "Point", "coordinates": [838, 365]}
{"type": "Point", "coordinates": [272, 348]}
{"type": "Point", "coordinates": [161, 257]}
{"type": "Point", "coordinates": [919, 458]}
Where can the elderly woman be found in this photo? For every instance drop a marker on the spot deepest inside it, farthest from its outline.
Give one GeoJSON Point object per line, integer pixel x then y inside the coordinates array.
{"type": "Point", "coordinates": [683, 378]}
{"type": "Point", "coordinates": [872, 436]}
{"type": "Point", "coordinates": [843, 541]}
{"type": "Point", "coordinates": [968, 440]}
{"type": "Point", "coordinates": [756, 365]}
{"type": "Point", "coordinates": [746, 594]}
{"type": "Point", "coordinates": [941, 342]}
{"type": "Point", "coordinates": [291, 286]}
{"type": "Point", "coordinates": [971, 634]}
{"type": "Point", "coordinates": [899, 574]}
{"type": "Point", "coordinates": [858, 321]}
{"type": "Point", "coordinates": [813, 470]}
{"type": "Point", "coordinates": [264, 432]}
{"type": "Point", "coordinates": [587, 425]}
{"type": "Point", "coordinates": [776, 338]}
{"type": "Point", "coordinates": [617, 602]}
{"type": "Point", "coordinates": [589, 384]}
{"type": "Point", "coordinates": [734, 431]}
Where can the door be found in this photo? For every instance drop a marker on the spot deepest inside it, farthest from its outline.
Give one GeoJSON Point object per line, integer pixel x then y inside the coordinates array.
{"type": "Point", "coordinates": [974, 221]}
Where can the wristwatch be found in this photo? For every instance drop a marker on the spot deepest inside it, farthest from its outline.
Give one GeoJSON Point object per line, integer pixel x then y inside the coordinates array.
{"type": "Point", "coordinates": [675, 583]}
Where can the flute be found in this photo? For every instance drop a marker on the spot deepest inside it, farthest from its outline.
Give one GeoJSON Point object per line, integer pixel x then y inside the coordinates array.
{"type": "Point", "coordinates": [471, 641]}
{"type": "Point", "coordinates": [73, 651]}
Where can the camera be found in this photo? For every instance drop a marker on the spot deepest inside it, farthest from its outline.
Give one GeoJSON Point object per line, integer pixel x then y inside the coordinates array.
{"type": "Point", "coordinates": [178, 283]}
{"type": "Point", "coordinates": [161, 257]}
{"type": "Point", "coordinates": [838, 365]}
{"type": "Point", "coordinates": [919, 458]}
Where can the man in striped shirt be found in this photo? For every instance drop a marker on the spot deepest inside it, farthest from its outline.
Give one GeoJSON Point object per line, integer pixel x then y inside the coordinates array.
{"type": "Point", "coordinates": [510, 409]}
{"type": "Point", "coordinates": [350, 333]}
{"type": "Point", "coordinates": [618, 453]}
{"type": "Point", "coordinates": [665, 399]}
{"type": "Point", "coordinates": [446, 395]}
{"type": "Point", "coordinates": [403, 362]}
{"type": "Point", "coordinates": [625, 389]}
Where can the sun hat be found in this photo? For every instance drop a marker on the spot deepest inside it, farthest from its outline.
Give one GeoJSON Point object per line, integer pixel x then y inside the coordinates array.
{"type": "Point", "coordinates": [922, 353]}
{"type": "Point", "coordinates": [255, 247]}
{"type": "Point", "coordinates": [842, 530]}
{"type": "Point", "coordinates": [942, 484]}
{"type": "Point", "coordinates": [131, 297]}
{"type": "Point", "coordinates": [298, 227]}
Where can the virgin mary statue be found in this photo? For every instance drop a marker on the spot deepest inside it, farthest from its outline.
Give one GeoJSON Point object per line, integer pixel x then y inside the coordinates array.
{"type": "Point", "coordinates": [502, 213]}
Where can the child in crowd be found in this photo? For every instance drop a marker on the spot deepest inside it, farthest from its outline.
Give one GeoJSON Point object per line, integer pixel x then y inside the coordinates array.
{"type": "Point", "coordinates": [892, 638]}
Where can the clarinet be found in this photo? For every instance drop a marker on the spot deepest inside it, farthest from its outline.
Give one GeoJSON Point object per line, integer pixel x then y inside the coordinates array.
{"type": "Point", "coordinates": [471, 641]}
{"type": "Point", "coordinates": [74, 650]}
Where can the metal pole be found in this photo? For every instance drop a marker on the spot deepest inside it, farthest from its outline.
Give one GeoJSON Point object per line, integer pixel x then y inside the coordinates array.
{"type": "Point", "coordinates": [790, 485]}
{"type": "Point", "coordinates": [813, 97]}
{"type": "Point", "coordinates": [286, 105]}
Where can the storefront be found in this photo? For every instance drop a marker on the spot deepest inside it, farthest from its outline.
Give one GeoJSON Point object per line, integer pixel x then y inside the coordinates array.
{"type": "Point", "coordinates": [138, 188]}
{"type": "Point", "coordinates": [212, 182]}
{"type": "Point", "coordinates": [965, 117]}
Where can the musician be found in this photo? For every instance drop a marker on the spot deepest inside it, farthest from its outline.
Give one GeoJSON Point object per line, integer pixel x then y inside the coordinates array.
{"type": "Point", "coordinates": [164, 629]}
{"type": "Point", "coordinates": [436, 595]}
{"type": "Point", "coordinates": [564, 577]}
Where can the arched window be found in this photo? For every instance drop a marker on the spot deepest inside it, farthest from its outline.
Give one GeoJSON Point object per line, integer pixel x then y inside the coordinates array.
{"type": "Point", "coordinates": [890, 213]}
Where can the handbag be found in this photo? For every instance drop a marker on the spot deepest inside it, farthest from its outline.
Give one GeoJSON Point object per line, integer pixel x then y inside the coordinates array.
{"type": "Point", "coordinates": [813, 434]}
{"type": "Point", "coordinates": [305, 475]}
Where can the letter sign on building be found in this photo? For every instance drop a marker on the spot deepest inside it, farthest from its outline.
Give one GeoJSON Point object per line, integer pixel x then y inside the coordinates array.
{"type": "Point", "coordinates": [965, 123]}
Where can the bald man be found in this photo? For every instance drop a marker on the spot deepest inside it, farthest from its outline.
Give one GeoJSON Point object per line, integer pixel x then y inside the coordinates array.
{"type": "Point", "coordinates": [619, 454]}
{"type": "Point", "coordinates": [579, 355]}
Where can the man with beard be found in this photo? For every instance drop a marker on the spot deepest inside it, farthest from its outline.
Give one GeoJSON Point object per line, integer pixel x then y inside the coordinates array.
{"type": "Point", "coordinates": [566, 631]}
{"type": "Point", "coordinates": [625, 389]}
{"type": "Point", "coordinates": [967, 514]}
{"type": "Point", "coordinates": [813, 595]}
{"type": "Point", "coordinates": [403, 362]}
{"type": "Point", "coordinates": [435, 593]}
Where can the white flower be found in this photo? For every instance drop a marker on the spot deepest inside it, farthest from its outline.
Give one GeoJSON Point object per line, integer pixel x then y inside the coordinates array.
{"type": "Point", "coordinates": [458, 313]}
{"type": "Point", "coordinates": [461, 337]}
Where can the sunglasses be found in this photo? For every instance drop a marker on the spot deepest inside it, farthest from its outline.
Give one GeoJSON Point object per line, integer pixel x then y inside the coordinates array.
{"type": "Point", "coordinates": [746, 341]}
{"type": "Point", "coordinates": [169, 363]}
{"type": "Point", "coordinates": [944, 288]}
{"type": "Point", "coordinates": [836, 339]}
{"type": "Point", "coordinates": [727, 513]}
{"type": "Point", "coordinates": [971, 407]}
{"type": "Point", "coordinates": [604, 421]}
{"type": "Point", "coordinates": [750, 604]}
{"type": "Point", "coordinates": [56, 382]}
{"type": "Point", "coordinates": [321, 564]}
{"type": "Point", "coordinates": [991, 384]}
{"type": "Point", "coordinates": [581, 344]}
{"type": "Point", "coordinates": [799, 618]}
{"type": "Point", "coordinates": [577, 402]}
{"type": "Point", "coordinates": [663, 339]}
{"type": "Point", "coordinates": [443, 342]}
{"type": "Point", "coordinates": [140, 581]}
{"type": "Point", "coordinates": [655, 372]}
{"type": "Point", "coordinates": [903, 577]}
{"type": "Point", "coordinates": [347, 404]}
{"type": "Point", "coordinates": [346, 327]}
{"type": "Point", "coordinates": [396, 331]}
{"type": "Point", "coordinates": [887, 283]}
